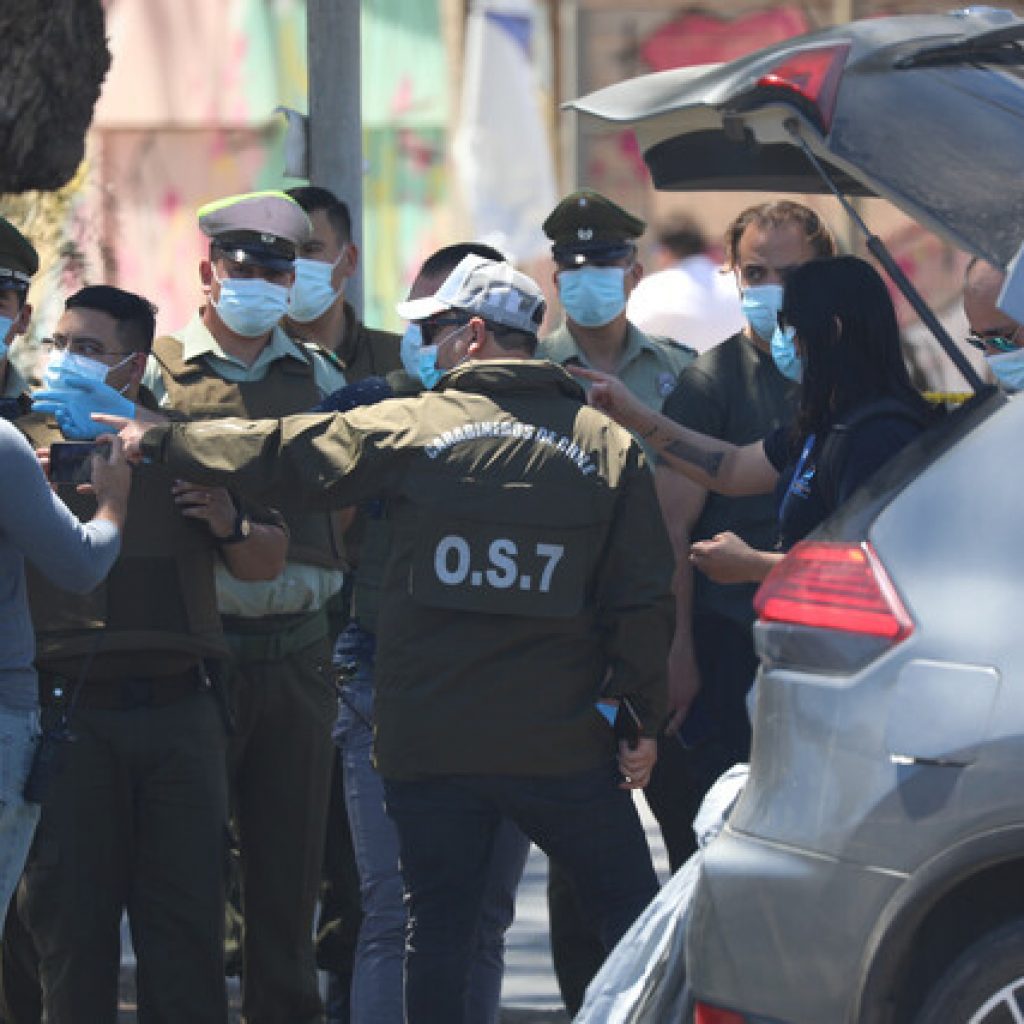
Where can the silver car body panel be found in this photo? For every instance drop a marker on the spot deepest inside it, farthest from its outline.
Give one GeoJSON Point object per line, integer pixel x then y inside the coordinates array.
{"type": "Point", "coordinates": [769, 886]}
{"type": "Point", "coordinates": [880, 777]}
{"type": "Point", "coordinates": [860, 782]}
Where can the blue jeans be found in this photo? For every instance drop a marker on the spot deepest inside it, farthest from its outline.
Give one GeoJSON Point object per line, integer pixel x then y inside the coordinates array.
{"type": "Point", "coordinates": [447, 828]}
{"type": "Point", "coordinates": [19, 733]}
{"type": "Point", "coordinates": [377, 981]}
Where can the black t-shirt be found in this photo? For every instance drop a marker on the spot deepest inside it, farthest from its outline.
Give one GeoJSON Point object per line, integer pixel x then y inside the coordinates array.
{"type": "Point", "coordinates": [800, 499]}
{"type": "Point", "coordinates": [735, 393]}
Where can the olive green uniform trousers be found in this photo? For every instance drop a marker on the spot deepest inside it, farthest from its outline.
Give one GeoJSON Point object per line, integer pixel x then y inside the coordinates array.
{"type": "Point", "coordinates": [279, 771]}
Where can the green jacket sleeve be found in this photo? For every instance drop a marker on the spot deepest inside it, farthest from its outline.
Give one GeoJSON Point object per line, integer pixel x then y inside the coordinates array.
{"type": "Point", "coordinates": [309, 461]}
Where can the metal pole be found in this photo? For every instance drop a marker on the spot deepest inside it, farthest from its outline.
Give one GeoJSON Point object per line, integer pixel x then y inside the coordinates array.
{"type": "Point", "coordinates": [567, 85]}
{"type": "Point", "coordinates": [335, 112]}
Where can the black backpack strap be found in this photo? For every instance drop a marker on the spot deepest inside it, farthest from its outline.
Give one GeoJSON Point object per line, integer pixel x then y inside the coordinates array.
{"type": "Point", "coordinates": [833, 448]}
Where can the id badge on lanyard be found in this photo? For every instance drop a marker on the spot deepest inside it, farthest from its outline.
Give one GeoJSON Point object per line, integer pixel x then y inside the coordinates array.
{"type": "Point", "coordinates": [800, 482]}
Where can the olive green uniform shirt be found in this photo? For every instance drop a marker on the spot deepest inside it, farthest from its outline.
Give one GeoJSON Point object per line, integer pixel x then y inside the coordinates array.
{"type": "Point", "coordinates": [649, 367]}
{"type": "Point", "coordinates": [367, 351]}
{"type": "Point", "coordinates": [300, 587]}
{"type": "Point", "coordinates": [529, 569]}
{"type": "Point", "coordinates": [14, 384]}
{"type": "Point", "coordinates": [15, 400]}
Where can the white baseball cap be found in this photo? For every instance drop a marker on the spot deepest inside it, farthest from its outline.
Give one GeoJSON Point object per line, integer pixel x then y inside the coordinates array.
{"type": "Point", "coordinates": [494, 291]}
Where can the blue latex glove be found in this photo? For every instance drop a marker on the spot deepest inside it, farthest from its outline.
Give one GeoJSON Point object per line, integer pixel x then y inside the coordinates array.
{"type": "Point", "coordinates": [73, 401]}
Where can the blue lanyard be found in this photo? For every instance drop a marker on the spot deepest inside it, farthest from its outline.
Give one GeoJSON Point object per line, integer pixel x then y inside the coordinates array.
{"type": "Point", "coordinates": [798, 486]}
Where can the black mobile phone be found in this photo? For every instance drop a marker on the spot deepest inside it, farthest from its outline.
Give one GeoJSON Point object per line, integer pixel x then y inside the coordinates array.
{"type": "Point", "coordinates": [627, 723]}
{"type": "Point", "coordinates": [69, 461]}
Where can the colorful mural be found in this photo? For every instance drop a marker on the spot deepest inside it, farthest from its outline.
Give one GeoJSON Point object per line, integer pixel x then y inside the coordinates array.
{"type": "Point", "coordinates": [406, 111]}
{"type": "Point", "coordinates": [186, 115]}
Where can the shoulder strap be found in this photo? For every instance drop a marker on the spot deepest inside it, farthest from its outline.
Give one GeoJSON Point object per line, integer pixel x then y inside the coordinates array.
{"type": "Point", "coordinates": [315, 350]}
{"type": "Point", "coordinates": [833, 447]}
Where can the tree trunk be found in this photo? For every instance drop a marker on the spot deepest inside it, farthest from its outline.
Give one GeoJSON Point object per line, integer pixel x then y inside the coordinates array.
{"type": "Point", "coordinates": [55, 57]}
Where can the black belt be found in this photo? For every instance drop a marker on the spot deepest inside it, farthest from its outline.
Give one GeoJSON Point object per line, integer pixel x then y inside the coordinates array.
{"type": "Point", "coordinates": [273, 637]}
{"type": "Point", "coordinates": [123, 694]}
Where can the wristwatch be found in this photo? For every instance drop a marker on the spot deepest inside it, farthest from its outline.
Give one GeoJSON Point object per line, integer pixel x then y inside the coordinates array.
{"type": "Point", "coordinates": [241, 530]}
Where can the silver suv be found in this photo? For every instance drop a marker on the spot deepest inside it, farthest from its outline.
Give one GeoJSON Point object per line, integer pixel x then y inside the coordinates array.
{"type": "Point", "coordinates": [873, 870]}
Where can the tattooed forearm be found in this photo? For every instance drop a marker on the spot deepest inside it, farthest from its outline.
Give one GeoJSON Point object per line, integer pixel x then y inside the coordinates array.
{"type": "Point", "coordinates": [709, 461]}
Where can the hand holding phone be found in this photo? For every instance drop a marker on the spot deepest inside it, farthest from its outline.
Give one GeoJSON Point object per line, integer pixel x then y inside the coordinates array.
{"type": "Point", "coordinates": [636, 753]}
{"type": "Point", "coordinates": [69, 461]}
{"type": "Point", "coordinates": [637, 763]}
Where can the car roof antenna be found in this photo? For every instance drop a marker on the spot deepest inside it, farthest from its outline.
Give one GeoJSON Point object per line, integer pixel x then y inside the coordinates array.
{"type": "Point", "coordinates": [877, 249]}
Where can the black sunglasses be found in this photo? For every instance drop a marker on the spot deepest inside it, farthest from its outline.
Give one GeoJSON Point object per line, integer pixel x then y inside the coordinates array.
{"type": "Point", "coordinates": [428, 327]}
{"type": "Point", "coordinates": [1000, 340]}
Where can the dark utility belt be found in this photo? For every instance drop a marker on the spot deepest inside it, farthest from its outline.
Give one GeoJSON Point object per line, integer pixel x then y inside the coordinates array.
{"type": "Point", "coordinates": [123, 694]}
{"type": "Point", "coordinates": [273, 637]}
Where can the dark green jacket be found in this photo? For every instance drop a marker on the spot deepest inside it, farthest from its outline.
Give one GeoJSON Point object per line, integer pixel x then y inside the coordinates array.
{"type": "Point", "coordinates": [529, 568]}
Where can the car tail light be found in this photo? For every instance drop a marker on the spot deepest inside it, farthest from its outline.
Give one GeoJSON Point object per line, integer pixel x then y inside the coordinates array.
{"type": "Point", "coordinates": [833, 585]}
{"type": "Point", "coordinates": [704, 1014]}
{"type": "Point", "coordinates": [813, 75]}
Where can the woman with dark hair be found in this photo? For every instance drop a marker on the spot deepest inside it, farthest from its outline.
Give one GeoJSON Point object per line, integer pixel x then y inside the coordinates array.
{"type": "Point", "coordinates": [837, 336]}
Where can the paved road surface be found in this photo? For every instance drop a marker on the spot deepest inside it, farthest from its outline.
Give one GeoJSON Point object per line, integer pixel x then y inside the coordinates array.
{"type": "Point", "coordinates": [530, 993]}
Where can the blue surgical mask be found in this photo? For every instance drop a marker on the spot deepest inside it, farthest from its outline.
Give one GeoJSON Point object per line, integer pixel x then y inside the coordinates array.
{"type": "Point", "coordinates": [5, 328]}
{"type": "Point", "coordinates": [250, 306]}
{"type": "Point", "coordinates": [1008, 368]}
{"type": "Point", "coordinates": [761, 304]}
{"type": "Point", "coordinates": [62, 362]}
{"type": "Point", "coordinates": [428, 371]}
{"type": "Point", "coordinates": [593, 296]}
{"type": "Point", "coordinates": [419, 360]}
{"type": "Point", "coordinates": [784, 352]}
{"type": "Point", "coordinates": [312, 293]}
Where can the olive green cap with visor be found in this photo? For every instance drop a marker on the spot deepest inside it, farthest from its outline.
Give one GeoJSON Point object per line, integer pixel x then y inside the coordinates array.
{"type": "Point", "coordinates": [587, 227]}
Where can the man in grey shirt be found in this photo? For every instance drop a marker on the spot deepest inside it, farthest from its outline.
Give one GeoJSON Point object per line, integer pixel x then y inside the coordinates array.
{"type": "Point", "coordinates": [35, 524]}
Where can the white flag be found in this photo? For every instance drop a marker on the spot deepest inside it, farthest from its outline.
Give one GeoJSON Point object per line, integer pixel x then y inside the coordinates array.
{"type": "Point", "coordinates": [501, 149]}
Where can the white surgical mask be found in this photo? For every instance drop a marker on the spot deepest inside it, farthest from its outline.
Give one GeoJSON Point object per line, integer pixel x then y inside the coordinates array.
{"type": "Point", "coordinates": [250, 306]}
{"type": "Point", "coordinates": [312, 293]}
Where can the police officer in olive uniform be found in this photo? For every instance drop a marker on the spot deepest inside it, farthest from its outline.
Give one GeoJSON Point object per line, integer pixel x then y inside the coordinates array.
{"type": "Point", "coordinates": [234, 359]}
{"type": "Point", "coordinates": [529, 569]}
{"type": "Point", "coordinates": [135, 820]}
{"type": "Point", "coordinates": [377, 986]}
{"type": "Point", "coordinates": [320, 314]}
{"type": "Point", "coordinates": [319, 311]}
{"type": "Point", "coordinates": [594, 248]}
{"type": "Point", "coordinates": [18, 262]}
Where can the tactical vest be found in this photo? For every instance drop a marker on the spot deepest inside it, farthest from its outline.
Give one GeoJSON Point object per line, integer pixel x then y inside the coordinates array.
{"type": "Point", "coordinates": [196, 390]}
{"type": "Point", "coordinates": [158, 603]}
